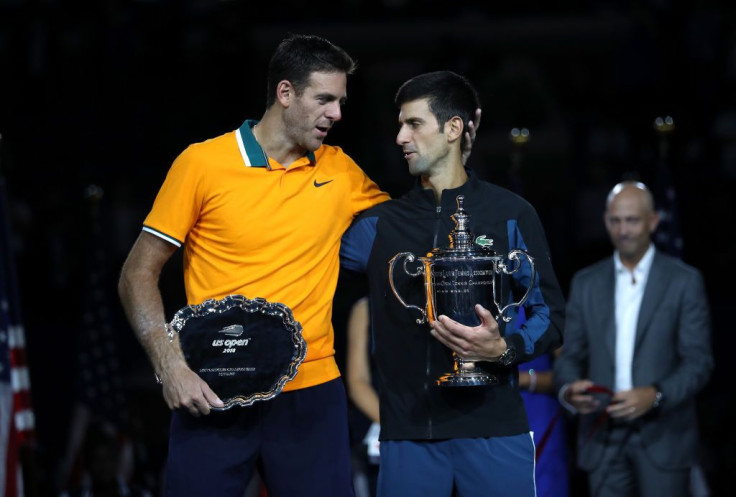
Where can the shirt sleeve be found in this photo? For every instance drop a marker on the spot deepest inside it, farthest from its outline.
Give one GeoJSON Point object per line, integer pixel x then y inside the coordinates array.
{"type": "Point", "coordinates": [365, 193]}
{"type": "Point", "coordinates": [179, 201]}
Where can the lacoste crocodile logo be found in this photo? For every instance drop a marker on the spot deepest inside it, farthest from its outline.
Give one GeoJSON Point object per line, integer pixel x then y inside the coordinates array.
{"type": "Point", "coordinates": [483, 241]}
{"type": "Point", "coordinates": [322, 184]}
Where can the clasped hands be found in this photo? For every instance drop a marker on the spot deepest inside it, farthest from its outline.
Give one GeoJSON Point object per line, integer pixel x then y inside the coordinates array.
{"type": "Point", "coordinates": [473, 343]}
{"type": "Point", "coordinates": [625, 405]}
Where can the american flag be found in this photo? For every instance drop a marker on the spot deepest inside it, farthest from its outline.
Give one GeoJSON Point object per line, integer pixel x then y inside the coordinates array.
{"type": "Point", "coordinates": [668, 237]}
{"type": "Point", "coordinates": [16, 416]}
{"type": "Point", "coordinates": [99, 382]}
{"type": "Point", "coordinates": [99, 393]}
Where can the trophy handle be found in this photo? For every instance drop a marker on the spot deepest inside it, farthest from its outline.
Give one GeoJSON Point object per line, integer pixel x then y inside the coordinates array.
{"type": "Point", "coordinates": [514, 256]}
{"type": "Point", "coordinates": [409, 258]}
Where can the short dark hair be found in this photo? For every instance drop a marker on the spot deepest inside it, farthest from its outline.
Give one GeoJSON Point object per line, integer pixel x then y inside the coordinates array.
{"type": "Point", "coordinates": [298, 56]}
{"type": "Point", "coordinates": [449, 95]}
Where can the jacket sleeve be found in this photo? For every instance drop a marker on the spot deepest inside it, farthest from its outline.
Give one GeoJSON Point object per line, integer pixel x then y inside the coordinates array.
{"type": "Point", "coordinates": [571, 365]}
{"type": "Point", "coordinates": [693, 343]}
{"type": "Point", "coordinates": [544, 308]}
{"type": "Point", "coordinates": [357, 243]}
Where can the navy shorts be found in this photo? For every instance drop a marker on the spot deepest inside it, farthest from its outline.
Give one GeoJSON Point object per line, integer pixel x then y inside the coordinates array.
{"type": "Point", "coordinates": [473, 467]}
{"type": "Point", "coordinates": [298, 440]}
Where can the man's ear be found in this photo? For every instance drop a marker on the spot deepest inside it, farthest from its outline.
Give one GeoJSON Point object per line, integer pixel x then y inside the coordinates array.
{"type": "Point", "coordinates": [454, 128]}
{"type": "Point", "coordinates": [285, 93]}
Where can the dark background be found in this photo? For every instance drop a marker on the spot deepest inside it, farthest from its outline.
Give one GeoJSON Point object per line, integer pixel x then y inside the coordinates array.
{"type": "Point", "coordinates": [109, 92]}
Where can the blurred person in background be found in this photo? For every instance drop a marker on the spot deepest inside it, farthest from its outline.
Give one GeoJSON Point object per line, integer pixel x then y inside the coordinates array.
{"type": "Point", "coordinates": [637, 351]}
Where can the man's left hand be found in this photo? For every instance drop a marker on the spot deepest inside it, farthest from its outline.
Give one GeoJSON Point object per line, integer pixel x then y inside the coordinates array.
{"type": "Point", "coordinates": [631, 404]}
{"type": "Point", "coordinates": [477, 343]}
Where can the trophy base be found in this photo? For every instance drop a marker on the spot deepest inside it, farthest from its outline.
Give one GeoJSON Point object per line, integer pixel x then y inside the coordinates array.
{"type": "Point", "coordinates": [467, 379]}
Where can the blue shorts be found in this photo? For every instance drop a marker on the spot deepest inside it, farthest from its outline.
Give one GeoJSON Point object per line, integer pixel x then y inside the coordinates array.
{"type": "Point", "coordinates": [474, 467]}
{"type": "Point", "coordinates": [299, 440]}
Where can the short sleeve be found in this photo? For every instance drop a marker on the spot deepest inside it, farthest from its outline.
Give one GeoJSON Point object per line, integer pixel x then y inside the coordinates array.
{"type": "Point", "coordinates": [179, 201]}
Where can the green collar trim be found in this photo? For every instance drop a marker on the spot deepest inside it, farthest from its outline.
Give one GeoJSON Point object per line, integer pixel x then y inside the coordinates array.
{"type": "Point", "coordinates": [252, 153]}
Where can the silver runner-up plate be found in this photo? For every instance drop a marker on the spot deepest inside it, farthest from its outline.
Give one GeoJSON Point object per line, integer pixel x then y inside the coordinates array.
{"type": "Point", "coordinates": [246, 350]}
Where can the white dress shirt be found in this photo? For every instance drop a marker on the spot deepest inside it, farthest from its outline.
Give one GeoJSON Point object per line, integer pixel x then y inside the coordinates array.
{"type": "Point", "coordinates": [629, 293]}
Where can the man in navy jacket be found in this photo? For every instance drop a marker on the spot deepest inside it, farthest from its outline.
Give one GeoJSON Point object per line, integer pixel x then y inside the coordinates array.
{"type": "Point", "coordinates": [473, 440]}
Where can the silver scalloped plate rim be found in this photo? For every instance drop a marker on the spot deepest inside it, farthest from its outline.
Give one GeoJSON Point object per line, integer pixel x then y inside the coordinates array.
{"type": "Point", "coordinates": [255, 305]}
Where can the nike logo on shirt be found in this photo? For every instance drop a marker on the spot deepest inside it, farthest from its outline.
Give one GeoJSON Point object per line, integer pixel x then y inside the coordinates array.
{"type": "Point", "coordinates": [321, 184]}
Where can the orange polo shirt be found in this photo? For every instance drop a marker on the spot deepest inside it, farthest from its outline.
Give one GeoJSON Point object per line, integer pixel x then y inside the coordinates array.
{"type": "Point", "coordinates": [250, 226]}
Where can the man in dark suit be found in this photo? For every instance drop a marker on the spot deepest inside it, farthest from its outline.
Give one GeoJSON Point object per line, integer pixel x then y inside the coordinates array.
{"type": "Point", "coordinates": [637, 351]}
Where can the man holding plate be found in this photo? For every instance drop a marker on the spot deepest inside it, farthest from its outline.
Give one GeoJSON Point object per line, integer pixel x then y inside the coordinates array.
{"type": "Point", "coordinates": [249, 207]}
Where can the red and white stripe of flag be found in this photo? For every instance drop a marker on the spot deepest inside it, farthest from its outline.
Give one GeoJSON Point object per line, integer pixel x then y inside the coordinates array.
{"type": "Point", "coordinates": [20, 382]}
{"type": "Point", "coordinates": [17, 422]}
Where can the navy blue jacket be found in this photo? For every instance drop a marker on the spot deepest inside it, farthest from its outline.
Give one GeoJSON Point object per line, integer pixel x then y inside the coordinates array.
{"type": "Point", "coordinates": [408, 359]}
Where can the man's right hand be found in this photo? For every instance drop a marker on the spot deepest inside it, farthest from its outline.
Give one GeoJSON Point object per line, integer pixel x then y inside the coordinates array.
{"type": "Point", "coordinates": [577, 395]}
{"type": "Point", "coordinates": [469, 137]}
{"type": "Point", "coordinates": [183, 388]}
{"type": "Point", "coordinates": [473, 343]}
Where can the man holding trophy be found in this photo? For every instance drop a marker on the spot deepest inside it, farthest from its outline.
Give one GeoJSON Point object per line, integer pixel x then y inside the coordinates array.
{"type": "Point", "coordinates": [446, 337]}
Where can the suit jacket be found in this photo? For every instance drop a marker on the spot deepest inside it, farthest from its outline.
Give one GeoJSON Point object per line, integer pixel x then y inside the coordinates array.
{"type": "Point", "coordinates": [672, 350]}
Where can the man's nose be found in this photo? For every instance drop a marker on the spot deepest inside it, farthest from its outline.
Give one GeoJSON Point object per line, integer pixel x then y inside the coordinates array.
{"type": "Point", "coordinates": [402, 136]}
{"type": "Point", "coordinates": [334, 111]}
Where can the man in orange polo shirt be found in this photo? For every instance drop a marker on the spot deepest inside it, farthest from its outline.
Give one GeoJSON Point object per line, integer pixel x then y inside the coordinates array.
{"type": "Point", "coordinates": [260, 212]}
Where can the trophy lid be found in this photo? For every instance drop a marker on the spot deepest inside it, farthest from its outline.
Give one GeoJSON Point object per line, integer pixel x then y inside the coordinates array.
{"type": "Point", "coordinates": [462, 239]}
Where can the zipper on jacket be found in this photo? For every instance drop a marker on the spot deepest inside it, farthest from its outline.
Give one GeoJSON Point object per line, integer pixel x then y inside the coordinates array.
{"type": "Point", "coordinates": [427, 379]}
{"type": "Point", "coordinates": [437, 211]}
{"type": "Point", "coordinates": [426, 388]}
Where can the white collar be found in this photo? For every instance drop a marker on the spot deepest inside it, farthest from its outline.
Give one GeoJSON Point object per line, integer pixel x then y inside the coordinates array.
{"type": "Point", "coordinates": [641, 268]}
